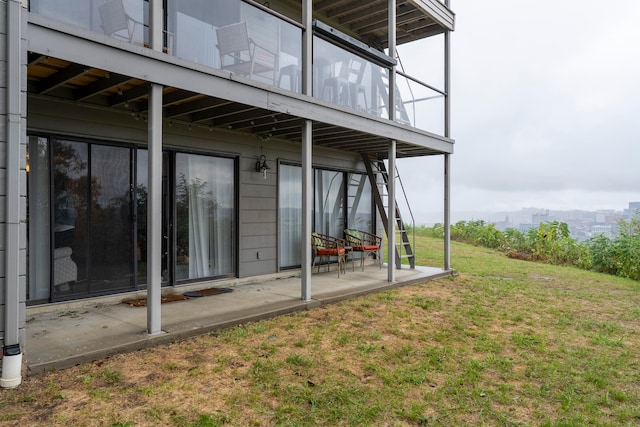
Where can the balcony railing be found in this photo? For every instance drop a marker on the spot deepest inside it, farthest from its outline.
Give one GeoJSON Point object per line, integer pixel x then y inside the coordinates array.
{"type": "Point", "coordinates": [122, 19]}
{"type": "Point", "coordinates": [419, 104]}
{"type": "Point", "coordinates": [248, 39]}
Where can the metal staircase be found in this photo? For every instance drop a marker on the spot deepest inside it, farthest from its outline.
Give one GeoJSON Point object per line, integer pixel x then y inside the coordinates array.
{"type": "Point", "coordinates": [404, 247]}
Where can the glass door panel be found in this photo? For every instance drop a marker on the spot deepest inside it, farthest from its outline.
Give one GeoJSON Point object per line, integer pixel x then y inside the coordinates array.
{"type": "Point", "coordinates": [360, 203]}
{"type": "Point", "coordinates": [329, 203]}
{"type": "Point", "coordinates": [111, 219]}
{"type": "Point", "coordinates": [93, 219]}
{"type": "Point", "coordinates": [290, 215]}
{"type": "Point", "coordinates": [205, 216]}
{"type": "Point", "coordinates": [70, 225]}
{"type": "Point", "coordinates": [39, 219]}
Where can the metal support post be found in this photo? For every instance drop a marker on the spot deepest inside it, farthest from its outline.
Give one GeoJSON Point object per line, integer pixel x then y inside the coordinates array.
{"type": "Point", "coordinates": [307, 154]}
{"type": "Point", "coordinates": [154, 212]}
{"type": "Point", "coordinates": [447, 157]}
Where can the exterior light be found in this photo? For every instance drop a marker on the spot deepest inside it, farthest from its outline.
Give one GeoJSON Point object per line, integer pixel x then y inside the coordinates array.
{"type": "Point", "coordinates": [262, 166]}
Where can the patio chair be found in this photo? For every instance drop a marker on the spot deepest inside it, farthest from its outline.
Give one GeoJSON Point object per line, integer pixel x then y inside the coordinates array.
{"type": "Point", "coordinates": [365, 243]}
{"type": "Point", "coordinates": [328, 246]}
{"type": "Point", "coordinates": [117, 23]}
{"type": "Point", "coordinates": [242, 55]}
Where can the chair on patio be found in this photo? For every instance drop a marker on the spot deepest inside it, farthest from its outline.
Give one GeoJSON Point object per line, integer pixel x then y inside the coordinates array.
{"type": "Point", "coordinates": [328, 246]}
{"type": "Point", "coordinates": [365, 243]}
{"type": "Point", "coordinates": [241, 54]}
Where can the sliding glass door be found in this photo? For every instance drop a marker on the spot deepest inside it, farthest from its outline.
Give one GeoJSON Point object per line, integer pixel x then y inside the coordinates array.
{"type": "Point", "coordinates": [93, 220]}
{"type": "Point", "coordinates": [205, 216]}
{"type": "Point", "coordinates": [341, 200]}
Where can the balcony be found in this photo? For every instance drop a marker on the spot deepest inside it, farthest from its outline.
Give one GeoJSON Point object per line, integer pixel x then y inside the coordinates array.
{"type": "Point", "coordinates": [260, 44]}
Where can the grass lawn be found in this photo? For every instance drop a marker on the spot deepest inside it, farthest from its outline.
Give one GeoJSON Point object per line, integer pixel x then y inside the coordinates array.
{"type": "Point", "coordinates": [507, 342]}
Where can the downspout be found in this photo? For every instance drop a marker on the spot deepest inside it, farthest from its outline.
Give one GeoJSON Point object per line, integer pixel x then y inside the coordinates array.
{"type": "Point", "coordinates": [12, 355]}
{"type": "Point", "coordinates": [391, 179]}
{"type": "Point", "coordinates": [447, 158]}
{"type": "Point", "coordinates": [307, 153]}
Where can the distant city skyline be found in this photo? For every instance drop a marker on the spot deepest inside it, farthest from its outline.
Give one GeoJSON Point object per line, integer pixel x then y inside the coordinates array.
{"type": "Point", "coordinates": [520, 216]}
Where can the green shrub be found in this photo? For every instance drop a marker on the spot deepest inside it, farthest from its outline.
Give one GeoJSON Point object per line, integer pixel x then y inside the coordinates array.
{"type": "Point", "coordinates": [551, 242]}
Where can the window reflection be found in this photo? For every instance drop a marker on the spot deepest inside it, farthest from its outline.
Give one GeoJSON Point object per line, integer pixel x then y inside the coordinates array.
{"type": "Point", "coordinates": [205, 216]}
{"type": "Point", "coordinates": [290, 214]}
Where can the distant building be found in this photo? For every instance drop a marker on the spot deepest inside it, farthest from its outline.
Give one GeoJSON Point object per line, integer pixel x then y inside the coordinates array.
{"type": "Point", "coordinates": [605, 230]}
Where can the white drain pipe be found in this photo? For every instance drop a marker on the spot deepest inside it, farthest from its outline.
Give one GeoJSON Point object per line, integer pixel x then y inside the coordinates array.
{"type": "Point", "coordinates": [11, 354]}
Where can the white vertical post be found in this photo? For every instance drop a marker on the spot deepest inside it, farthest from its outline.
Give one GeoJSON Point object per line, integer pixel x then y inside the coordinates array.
{"type": "Point", "coordinates": [156, 24]}
{"type": "Point", "coordinates": [447, 214]}
{"type": "Point", "coordinates": [154, 212]}
{"type": "Point", "coordinates": [154, 197]}
{"type": "Point", "coordinates": [447, 158]}
{"type": "Point", "coordinates": [307, 207]}
{"type": "Point", "coordinates": [391, 229]}
{"type": "Point", "coordinates": [391, 179]}
{"type": "Point", "coordinates": [307, 154]}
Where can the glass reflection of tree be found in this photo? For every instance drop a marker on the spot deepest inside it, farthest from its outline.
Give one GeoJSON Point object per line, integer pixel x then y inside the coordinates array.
{"type": "Point", "coordinates": [69, 183]}
{"type": "Point", "coordinates": [191, 196]}
{"type": "Point", "coordinates": [70, 188]}
{"type": "Point", "coordinates": [141, 213]}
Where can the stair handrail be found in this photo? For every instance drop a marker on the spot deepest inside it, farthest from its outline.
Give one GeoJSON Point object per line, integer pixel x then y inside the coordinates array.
{"type": "Point", "coordinates": [413, 96]}
{"type": "Point", "coordinates": [413, 221]}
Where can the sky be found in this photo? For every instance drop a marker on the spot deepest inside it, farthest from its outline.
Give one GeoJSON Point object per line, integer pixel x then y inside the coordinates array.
{"type": "Point", "coordinates": [545, 109]}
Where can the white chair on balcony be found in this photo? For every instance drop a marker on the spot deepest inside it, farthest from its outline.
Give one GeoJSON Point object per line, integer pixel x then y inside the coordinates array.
{"type": "Point", "coordinates": [117, 23]}
{"type": "Point", "coordinates": [242, 55]}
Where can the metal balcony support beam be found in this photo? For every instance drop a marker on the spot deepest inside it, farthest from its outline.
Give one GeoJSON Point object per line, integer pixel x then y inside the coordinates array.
{"type": "Point", "coordinates": [154, 211]}
{"type": "Point", "coordinates": [447, 159]}
{"type": "Point", "coordinates": [391, 184]}
{"type": "Point", "coordinates": [307, 154]}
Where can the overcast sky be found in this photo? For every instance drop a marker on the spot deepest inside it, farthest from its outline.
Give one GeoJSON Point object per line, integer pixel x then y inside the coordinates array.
{"type": "Point", "coordinates": [546, 108]}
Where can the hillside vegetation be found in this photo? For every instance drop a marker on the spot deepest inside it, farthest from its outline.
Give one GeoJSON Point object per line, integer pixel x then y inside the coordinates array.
{"type": "Point", "coordinates": [552, 243]}
{"type": "Point", "coordinates": [507, 342]}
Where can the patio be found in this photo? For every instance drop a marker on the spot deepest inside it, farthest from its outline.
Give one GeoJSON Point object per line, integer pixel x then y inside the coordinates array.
{"type": "Point", "coordinates": [66, 334]}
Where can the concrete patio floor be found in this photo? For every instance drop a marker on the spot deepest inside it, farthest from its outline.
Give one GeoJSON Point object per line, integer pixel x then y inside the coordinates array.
{"type": "Point", "coordinates": [66, 334]}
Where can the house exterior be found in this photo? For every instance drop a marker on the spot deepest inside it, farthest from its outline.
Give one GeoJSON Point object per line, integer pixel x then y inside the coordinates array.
{"type": "Point", "coordinates": [149, 144]}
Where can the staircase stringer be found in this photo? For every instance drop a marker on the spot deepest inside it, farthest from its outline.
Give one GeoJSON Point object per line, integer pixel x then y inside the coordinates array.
{"type": "Point", "coordinates": [405, 249]}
